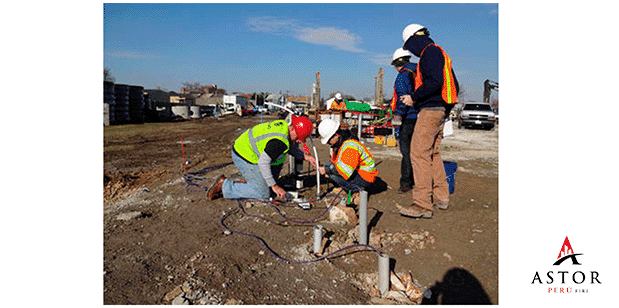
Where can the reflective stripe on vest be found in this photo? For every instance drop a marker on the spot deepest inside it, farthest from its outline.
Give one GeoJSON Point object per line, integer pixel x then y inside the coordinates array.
{"type": "Point", "coordinates": [448, 91]}
{"type": "Point", "coordinates": [253, 141]}
{"type": "Point", "coordinates": [394, 99]}
{"type": "Point", "coordinates": [354, 156]}
{"type": "Point", "coordinates": [338, 106]}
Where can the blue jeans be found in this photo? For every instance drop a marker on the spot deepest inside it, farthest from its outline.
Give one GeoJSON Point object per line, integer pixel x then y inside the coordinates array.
{"type": "Point", "coordinates": [256, 187]}
{"type": "Point", "coordinates": [406, 167]}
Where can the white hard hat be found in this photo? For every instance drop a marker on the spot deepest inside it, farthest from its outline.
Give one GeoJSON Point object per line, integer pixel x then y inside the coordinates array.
{"type": "Point", "coordinates": [400, 52]}
{"type": "Point", "coordinates": [338, 96]}
{"type": "Point", "coordinates": [327, 129]}
{"type": "Point", "coordinates": [410, 30]}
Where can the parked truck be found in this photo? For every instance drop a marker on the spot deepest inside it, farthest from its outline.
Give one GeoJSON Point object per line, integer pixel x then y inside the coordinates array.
{"type": "Point", "coordinates": [478, 114]}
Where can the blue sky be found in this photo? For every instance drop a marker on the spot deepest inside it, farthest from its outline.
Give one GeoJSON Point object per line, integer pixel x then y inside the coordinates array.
{"type": "Point", "coordinates": [249, 47]}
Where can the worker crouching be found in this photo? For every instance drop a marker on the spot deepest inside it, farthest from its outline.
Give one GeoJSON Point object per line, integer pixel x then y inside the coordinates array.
{"type": "Point", "coordinates": [351, 165]}
{"type": "Point", "coordinates": [259, 154]}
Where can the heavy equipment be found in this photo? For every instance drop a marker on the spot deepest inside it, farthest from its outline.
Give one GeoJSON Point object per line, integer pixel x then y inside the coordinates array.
{"type": "Point", "coordinates": [489, 85]}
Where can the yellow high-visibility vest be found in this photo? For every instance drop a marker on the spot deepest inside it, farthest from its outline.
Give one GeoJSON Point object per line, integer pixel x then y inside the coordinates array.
{"type": "Point", "coordinates": [252, 142]}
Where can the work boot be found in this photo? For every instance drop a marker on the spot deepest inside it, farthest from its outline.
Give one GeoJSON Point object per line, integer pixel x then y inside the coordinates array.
{"type": "Point", "coordinates": [404, 189]}
{"type": "Point", "coordinates": [214, 191]}
{"type": "Point", "coordinates": [414, 211]}
{"type": "Point", "coordinates": [442, 205]}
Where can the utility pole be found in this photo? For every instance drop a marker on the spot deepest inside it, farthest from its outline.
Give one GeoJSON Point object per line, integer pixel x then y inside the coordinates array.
{"type": "Point", "coordinates": [378, 88]}
{"type": "Point", "coordinates": [316, 93]}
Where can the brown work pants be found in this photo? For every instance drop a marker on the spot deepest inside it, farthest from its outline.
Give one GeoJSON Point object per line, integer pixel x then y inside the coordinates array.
{"type": "Point", "coordinates": [428, 170]}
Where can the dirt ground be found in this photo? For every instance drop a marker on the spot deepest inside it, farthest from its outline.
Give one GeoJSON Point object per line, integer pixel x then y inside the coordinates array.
{"type": "Point", "coordinates": [164, 243]}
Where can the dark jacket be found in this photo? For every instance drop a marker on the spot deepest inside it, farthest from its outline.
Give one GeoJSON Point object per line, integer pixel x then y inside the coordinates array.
{"type": "Point", "coordinates": [404, 85]}
{"type": "Point", "coordinates": [431, 65]}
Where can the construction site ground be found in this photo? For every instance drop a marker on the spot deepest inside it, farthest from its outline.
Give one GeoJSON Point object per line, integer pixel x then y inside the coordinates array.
{"type": "Point", "coordinates": [164, 242]}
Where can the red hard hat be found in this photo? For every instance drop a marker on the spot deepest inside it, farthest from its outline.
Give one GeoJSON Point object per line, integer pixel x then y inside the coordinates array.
{"type": "Point", "coordinates": [303, 126]}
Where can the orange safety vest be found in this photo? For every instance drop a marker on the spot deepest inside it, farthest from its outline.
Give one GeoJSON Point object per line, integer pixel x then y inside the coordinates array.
{"type": "Point", "coordinates": [394, 100]}
{"type": "Point", "coordinates": [352, 156]}
{"type": "Point", "coordinates": [448, 92]}
{"type": "Point", "coordinates": [336, 106]}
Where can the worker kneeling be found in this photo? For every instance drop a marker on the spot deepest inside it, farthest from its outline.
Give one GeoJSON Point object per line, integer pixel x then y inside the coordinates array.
{"type": "Point", "coordinates": [259, 154]}
{"type": "Point", "coordinates": [351, 165]}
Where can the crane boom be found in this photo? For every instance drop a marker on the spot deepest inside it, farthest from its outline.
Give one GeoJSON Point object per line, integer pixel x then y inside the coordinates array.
{"type": "Point", "coordinates": [489, 85]}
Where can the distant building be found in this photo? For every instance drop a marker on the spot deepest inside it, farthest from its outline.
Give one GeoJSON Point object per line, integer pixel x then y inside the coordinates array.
{"type": "Point", "coordinates": [300, 99]}
{"type": "Point", "coordinates": [182, 99]}
{"type": "Point", "coordinates": [210, 90]}
{"type": "Point", "coordinates": [233, 100]}
{"type": "Point", "coordinates": [205, 100]}
{"type": "Point", "coordinates": [158, 96]}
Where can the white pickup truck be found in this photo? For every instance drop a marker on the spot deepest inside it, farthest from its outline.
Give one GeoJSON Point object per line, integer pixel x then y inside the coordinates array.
{"type": "Point", "coordinates": [476, 114]}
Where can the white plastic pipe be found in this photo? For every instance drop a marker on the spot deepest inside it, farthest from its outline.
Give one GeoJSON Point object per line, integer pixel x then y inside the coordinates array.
{"type": "Point", "coordinates": [363, 217]}
{"type": "Point", "coordinates": [383, 274]}
{"type": "Point", "coordinates": [359, 128]}
{"type": "Point", "coordinates": [317, 238]}
{"type": "Point", "coordinates": [317, 164]}
{"type": "Point", "coordinates": [280, 106]}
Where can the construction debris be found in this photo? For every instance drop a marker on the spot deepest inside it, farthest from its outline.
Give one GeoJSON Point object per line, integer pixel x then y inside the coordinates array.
{"type": "Point", "coordinates": [343, 215]}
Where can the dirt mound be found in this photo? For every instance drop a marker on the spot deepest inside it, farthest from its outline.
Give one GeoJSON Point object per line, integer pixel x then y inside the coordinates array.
{"type": "Point", "coordinates": [117, 184]}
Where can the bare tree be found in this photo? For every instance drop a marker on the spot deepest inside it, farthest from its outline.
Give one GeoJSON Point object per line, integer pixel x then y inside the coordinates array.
{"type": "Point", "coordinates": [107, 75]}
{"type": "Point", "coordinates": [461, 93]}
{"type": "Point", "coordinates": [192, 87]}
{"type": "Point", "coordinates": [495, 104]}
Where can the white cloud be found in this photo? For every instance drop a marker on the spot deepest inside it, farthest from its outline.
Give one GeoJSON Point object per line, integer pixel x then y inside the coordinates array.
{"type": "Point", "coordinates": [341, 39]}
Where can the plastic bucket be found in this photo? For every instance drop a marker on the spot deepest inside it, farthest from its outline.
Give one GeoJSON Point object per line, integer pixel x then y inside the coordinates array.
{"type": "Point", "coordinates": [450, 172]}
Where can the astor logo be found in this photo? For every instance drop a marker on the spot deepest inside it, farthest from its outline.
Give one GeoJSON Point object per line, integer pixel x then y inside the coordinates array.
{"type": "Point", "coordinates": [562, 276]}
{"type": "Point", "coordinates": [567, 253]}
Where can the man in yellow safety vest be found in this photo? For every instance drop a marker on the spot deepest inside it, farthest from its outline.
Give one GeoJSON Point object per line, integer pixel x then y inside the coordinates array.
{"type": "Point", "coordinates": [259, 154]}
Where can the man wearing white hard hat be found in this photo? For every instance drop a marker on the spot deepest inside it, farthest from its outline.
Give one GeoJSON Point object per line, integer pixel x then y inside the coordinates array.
{"type": "Point", "coordinates": [338, 103]}
{"type": "Point", "coordinates": [436, 92]}
{"type": "Point", "coordinates": [404, 116]}
{"type": "Point", "coordinates": [351, 165]}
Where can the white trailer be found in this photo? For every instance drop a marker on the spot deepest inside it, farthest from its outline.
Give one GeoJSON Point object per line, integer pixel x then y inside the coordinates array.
{"type": "Point", "coordinates": [234, 104]}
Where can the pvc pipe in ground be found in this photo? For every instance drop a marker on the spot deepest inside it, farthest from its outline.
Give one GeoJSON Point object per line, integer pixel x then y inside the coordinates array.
{"type": "Point", "coordinates": [359, 128]}
{"type": "Point", "coordinates": [383, 274]}
{"type": "Point", "coordinates": [317, 164]}
{"type": "Point", "coordinates": [363, 217]}
{"type": "Point", "coordinates": [317, 238]}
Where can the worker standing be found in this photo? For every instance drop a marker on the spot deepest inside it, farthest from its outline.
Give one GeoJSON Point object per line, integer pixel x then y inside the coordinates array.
{"type": "Point", "coordinates": [436, 90]}
{"type": "Point", "coordinates": [338, 103]}
{"type": "Point", "coordinates": [405, 116]}
{"type": "Point", "coordinates": [259, 154]}
{"type": "Point", "coordinates": [351, 165]}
